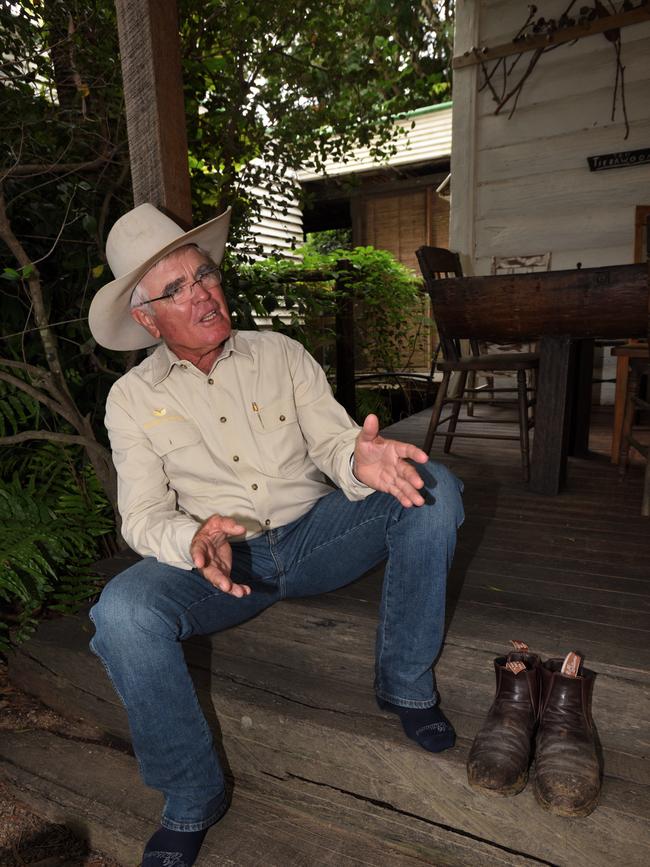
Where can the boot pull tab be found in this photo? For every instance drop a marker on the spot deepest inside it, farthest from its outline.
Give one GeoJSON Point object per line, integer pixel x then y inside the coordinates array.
{"type": "Point", "coordinates": [571, 664]}
{"type": "Point", "coordinates": [519, 646]}
{"type": "Point", "coordinates": [515, 667]}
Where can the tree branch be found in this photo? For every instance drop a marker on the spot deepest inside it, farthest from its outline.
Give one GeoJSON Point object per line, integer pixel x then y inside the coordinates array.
{"type": "Point", "coordinates": [36, 295]}
{"type": "Point", "coordinates": [35, 169]}
{"type": "Point", "coordinates": [56, 437]}
{"type": "Point", "coordinates": [39, 396]}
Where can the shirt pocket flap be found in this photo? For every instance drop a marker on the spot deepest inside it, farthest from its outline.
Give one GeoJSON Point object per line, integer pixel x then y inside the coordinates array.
{"type": "Point", "coordinates": [276, 415]}
{"type": "Point", "coordinates": [168, 436]}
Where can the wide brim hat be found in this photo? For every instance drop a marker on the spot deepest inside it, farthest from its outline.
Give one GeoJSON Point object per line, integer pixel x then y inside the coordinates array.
{"type": "Point", "coordinates": [136, 242]}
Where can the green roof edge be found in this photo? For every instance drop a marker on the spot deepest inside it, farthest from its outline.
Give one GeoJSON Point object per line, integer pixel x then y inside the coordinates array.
{"type": "Point", "coordinates": [426, 109]}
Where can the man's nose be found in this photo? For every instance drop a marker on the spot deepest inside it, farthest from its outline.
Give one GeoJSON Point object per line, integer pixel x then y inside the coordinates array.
{"type": "Point", "coordinates": [201, 292]}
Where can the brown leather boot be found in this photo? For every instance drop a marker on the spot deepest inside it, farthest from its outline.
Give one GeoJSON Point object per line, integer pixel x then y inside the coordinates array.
{"type": "Point", "coordinates": [567, 770]}
{"type": "Point", "coordinates": [500, 755]}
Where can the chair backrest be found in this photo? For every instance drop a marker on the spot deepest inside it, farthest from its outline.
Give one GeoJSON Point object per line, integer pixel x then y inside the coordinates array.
{"type": "Point", "coordinates": [438, 263]}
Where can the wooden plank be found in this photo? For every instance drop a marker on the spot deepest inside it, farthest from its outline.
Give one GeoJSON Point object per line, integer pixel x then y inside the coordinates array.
{"type": "Point", "coordinates": [292, 822]}
{"type": "Point", "coordinates": [560, 36]}
{"type": "Point", "coordinates": [317, 655]}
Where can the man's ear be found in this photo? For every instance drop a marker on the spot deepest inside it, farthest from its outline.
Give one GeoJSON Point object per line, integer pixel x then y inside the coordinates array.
{"type": "Point", "coordinates": [146, 320]}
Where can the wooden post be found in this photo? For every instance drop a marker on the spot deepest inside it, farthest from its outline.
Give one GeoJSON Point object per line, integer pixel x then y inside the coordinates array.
{"type": "Point", "coordinates": [345, 359]}
{"type": "Point", "coordinates": [155, 110]}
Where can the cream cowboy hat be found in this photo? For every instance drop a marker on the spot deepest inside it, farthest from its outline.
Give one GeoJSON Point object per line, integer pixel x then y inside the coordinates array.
{"type": "Point", "coordinates": [135, 243]}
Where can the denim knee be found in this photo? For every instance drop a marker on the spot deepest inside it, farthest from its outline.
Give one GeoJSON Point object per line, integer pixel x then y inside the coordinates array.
{"type": "Point", "coordinates": [443, 491]}
{"type": "Point", "coordinates": [127, 609]}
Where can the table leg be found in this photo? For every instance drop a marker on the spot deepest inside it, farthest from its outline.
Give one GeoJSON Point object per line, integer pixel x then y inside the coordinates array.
{"type": "Point", "coordinates": [548, 468]}
{"type": "Point", "coordinates": [580, 401]}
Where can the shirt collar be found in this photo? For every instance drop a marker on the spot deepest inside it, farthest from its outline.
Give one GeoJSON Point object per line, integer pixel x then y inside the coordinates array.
{"type": "Point", "coordinates": [163, 359]}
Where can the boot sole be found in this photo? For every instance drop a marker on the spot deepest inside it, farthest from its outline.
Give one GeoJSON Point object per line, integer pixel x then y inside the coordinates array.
{"type": "Point", "coordinates": [580, 812]}
{"type": "Point", "coordinates": [505, 792]}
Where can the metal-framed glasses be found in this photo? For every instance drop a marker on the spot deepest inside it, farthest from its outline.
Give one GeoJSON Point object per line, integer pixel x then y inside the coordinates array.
{"type": "Point", "coordinates": [210, 278]}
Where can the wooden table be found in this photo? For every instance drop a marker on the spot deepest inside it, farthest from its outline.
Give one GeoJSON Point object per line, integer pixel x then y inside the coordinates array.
{"type": "Point", "coordinates": [564, 311]}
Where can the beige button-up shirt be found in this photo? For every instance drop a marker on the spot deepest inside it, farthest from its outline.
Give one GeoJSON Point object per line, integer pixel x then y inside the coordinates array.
{"type": "Point", "coordinates": [256, 439]}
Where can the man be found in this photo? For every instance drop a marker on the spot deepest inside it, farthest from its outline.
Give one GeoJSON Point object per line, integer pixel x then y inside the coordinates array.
{"type": "Point", "coordinates": [243, 482]}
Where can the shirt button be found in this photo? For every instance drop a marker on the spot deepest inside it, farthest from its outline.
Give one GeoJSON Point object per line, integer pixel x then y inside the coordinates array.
{"type": "Point", "coordinates": [267, 522]}
{"type": "Point", "coordinates": [223, 418]}
{"type": "Point", "coordinates": [183, 366]}
{"type": "Point", "coordinates": [254, 486]}
{"type": "Point", "coordinates": [283, 418]}
{"type": "Point", "coordinates": [235, 457]}
{"type": "Point", "coordinates": [211, 381]}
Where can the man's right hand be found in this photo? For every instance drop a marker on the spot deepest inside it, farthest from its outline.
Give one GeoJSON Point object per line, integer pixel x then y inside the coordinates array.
{"type": "Point", "coordinates": [212, 555]}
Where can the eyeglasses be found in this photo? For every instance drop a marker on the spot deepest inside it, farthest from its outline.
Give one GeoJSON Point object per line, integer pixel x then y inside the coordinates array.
{"type": "Point", "coordinates": [209, 279]}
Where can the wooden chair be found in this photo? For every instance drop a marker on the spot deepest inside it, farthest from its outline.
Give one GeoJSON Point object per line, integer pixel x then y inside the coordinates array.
{"type": "Point", "coordinates": [639, 367]}
{"type": "Point", "coordinates": [434, 264]}
{"type": "Point", "coordinates": [445, 263]}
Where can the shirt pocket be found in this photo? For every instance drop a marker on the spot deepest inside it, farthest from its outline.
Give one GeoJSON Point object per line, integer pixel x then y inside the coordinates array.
{"type": "Point", "coordinates": [279, 438]}
{"type": "Point", "coordinates": [179, 444]}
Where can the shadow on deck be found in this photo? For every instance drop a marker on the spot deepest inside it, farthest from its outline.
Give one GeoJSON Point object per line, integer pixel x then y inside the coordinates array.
{"type": "Point", "coordinates": [320, 775]}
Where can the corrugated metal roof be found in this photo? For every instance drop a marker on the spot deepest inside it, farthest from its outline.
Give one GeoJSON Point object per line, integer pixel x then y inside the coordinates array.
{"type": "Point", "coordinates": [429, 139]}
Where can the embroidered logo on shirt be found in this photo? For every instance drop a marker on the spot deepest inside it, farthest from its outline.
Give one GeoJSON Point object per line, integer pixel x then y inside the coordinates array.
{"type": "Point", "coordinates": [159, 412]}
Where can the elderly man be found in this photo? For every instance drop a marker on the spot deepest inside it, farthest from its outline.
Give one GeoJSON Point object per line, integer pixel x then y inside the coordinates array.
{"type": "Point", "coordinates": [242, 482]}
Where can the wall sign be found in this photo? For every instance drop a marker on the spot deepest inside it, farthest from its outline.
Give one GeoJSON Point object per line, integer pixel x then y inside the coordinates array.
{"type": "Point", "coordinates": [619, 160]}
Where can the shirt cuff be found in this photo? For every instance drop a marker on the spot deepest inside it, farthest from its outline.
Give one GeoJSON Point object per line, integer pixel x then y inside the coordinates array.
{"type": "Point", "coordinates": [184, 536]}
{"type": "Point", "coordinates": [354, 483]}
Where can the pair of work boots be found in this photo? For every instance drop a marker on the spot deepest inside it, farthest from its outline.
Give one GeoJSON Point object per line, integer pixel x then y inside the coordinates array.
{"type": "Point", "coordinates": [542, 708]}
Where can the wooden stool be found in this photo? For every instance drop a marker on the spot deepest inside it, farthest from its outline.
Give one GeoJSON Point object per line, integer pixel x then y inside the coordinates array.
{"type": "Point", "coordinates": [623, 355]}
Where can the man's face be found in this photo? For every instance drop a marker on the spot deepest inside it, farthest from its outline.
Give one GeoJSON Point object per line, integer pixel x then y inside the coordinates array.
{"type": "Point", "coordinates": [195, 329]}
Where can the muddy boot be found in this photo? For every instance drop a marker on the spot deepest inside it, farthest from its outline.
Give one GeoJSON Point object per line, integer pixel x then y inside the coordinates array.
{"type": "Point", "coordinates": [567, 770]}
{"type": "Point", "coordinates": [500, 755]}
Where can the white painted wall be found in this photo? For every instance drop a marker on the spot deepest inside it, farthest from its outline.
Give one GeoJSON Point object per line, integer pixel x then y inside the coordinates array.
{"type": "Point", "coordinates": [522, 185]}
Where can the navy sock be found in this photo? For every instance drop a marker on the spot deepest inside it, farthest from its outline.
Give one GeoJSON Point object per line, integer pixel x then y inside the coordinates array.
{"type": "Point", "coordinates": [173, 848]}
{"type": "Point", "coordinates": [427, 726]}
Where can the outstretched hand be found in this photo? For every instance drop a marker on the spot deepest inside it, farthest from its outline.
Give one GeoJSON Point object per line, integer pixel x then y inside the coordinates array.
{"type": "Point", "coordinates": [212, 555]}
{"type": "Point", "coordinates": [382, 464]}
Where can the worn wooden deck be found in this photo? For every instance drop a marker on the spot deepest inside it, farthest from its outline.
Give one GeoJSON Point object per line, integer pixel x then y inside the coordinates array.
{"type": "Point", "coordinates": [320, 775]}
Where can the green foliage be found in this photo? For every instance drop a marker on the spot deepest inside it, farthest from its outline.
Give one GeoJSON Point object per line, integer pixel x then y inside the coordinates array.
{"type": "Point", "coordinates": [53, 516]}
{"type": "Point", "coordinates": [389, 309]}
{"type": "Point", "coordinates": [388, 300]}
{"type": "Point", "coordinates": [276, 86]}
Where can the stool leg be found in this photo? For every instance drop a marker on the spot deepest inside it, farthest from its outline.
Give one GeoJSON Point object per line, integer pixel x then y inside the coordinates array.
{"type": "Point", "coordinates": [622, 368]}
{"type": "Point", "coordinates": [462, 383]}
{"type": "Point", "coordinates": [628, 417]}
{"type": "Point", "coordinates": [522, 395]}
{"type": "Point", "coordinates": [471, 385]}
{"type": "Point", "coordinates": [645, 505]}
{"type": "Point", "coordinates": [436, 411]}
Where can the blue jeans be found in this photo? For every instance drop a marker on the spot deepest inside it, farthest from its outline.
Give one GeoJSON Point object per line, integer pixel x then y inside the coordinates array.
{"type": "Point", "coordinates": [145, 612]}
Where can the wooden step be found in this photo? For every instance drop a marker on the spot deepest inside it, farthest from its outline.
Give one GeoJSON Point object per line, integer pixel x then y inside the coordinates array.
{"type": "Point", "coordinates": [293, 693]}
{"type": "Point", "coordinates": [277, 822]}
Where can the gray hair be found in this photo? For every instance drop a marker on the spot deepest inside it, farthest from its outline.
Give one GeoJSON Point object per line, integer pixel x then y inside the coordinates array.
{"type": "Point", "coordinates": [139, 295]}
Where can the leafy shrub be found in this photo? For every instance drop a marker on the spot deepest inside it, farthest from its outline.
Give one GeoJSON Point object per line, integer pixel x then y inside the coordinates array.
{"type": "Point", "coordinates": [389, 312]}
{"type": "Point", "coordinates": [52, 521]}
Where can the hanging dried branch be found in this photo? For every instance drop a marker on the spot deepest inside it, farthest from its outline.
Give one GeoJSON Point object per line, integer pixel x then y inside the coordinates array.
{"type": "Point", "coordinates": [536, 26]}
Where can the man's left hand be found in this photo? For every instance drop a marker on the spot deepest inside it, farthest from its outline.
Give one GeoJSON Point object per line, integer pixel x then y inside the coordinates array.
{"type": "Point", "coordinates": [382, 464]}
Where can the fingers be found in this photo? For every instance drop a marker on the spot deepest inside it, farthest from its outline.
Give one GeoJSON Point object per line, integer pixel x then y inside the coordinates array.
{"type": "Point", "coordinates": [224, 583]}
{"type": "Point", "coordinates": [410, 452]}
{"type": "Point", "coordinates": [219, 524]}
